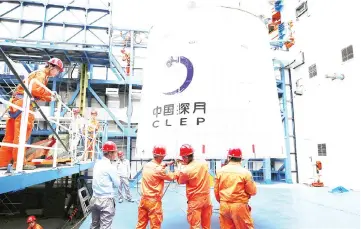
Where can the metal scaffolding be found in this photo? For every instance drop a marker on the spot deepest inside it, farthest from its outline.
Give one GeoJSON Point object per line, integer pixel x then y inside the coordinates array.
{"type": "Point", "coordinates": [89, 42]}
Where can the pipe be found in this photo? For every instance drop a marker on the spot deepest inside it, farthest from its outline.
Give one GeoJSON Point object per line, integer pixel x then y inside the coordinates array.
{"type": "Point", "coordinates": [294, 125]}
{"type": "Point", "coordinates": [288, 173]}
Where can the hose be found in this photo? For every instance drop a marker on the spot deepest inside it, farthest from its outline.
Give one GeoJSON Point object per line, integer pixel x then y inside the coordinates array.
{"type": "Point", "coordinates": [7, 61]}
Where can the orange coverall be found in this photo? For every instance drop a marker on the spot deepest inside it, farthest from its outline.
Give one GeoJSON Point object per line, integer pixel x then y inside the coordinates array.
{"type": "Point", "coordinates": [196, 177]}
{"type": "Point", "coordinates": [233, 187]}
{"type": "Point", "coordinates": [91, 136]}
{"type": "Point", "coordinates": [126, 57]}
{"type": "Point", "coordinates": [150, 206]}
{"type": "Point", "coordinates": [13, 123]}
{"type": "Point", "coordinates": [37, 226]}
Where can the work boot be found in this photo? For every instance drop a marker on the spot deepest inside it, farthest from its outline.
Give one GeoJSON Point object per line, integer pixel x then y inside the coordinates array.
{"type": "Point", "coordinates": [120, 200]}
{"type": "Point", "coordinates": [130, 200]}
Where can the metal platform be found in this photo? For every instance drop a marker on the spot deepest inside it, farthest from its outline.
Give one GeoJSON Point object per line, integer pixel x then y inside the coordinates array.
{"type": "Point", "coordinates": [15, 182]}
{"type": "Point", "coordinates": [34, 51]}
{"type": "Point", "coordinates": [275, 206]}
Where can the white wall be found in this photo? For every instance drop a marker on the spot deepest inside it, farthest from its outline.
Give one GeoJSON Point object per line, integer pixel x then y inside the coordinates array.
{"type": "Point", "coordinates": [328, 111]}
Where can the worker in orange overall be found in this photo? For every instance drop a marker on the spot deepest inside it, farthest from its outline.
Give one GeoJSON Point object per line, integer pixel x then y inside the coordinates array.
{"type": "Point", "coordinates": [53, 68]}
{"type": "Point", "coordinates": [154, 175]}
{"type": "Point", "coordinates": [233, 187]}
{"type": "Point", "coordinates": [31, 221]}
{"type": "Point", "coordinates": [195, 176]}
{"type": "Point", "coordinates": [93, 128]}
{"type": "Point", "coordinates": [126, 57]}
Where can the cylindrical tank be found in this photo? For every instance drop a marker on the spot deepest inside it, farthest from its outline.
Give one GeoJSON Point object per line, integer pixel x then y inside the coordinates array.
{"type": "Point", "coordinates": [209, 82]}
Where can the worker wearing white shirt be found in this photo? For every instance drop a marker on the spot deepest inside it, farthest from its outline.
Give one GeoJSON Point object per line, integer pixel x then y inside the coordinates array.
{"type": "Point", "coordinates": [123, 169]}
{"type": "Point", "coordinates": [77, 126]}
{"type": "Point", "coordinates": [105, 180]}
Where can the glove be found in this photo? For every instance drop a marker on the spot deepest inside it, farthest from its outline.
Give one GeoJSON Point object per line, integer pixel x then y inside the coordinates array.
{"type": "Point", "coordinates": [168, 164]}
{"type": "Point", "coordinates": [55, 96]}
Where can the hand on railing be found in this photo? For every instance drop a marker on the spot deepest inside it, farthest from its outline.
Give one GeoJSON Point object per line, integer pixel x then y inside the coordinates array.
{"type": "Point", "coordinates": [55, 96]}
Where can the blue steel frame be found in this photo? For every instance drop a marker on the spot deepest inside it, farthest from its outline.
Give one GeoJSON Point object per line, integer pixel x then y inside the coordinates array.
{"type": "Point", "coordinates": [33, 51]}
{"type": "Point", "coordinates": [47, 21]}
{"type": "Point", "coordinates": [282, 92]}
{"type": "Point", "coordinates": [16, 182]}
{"type": "Point", "coordinates": [99, 54]}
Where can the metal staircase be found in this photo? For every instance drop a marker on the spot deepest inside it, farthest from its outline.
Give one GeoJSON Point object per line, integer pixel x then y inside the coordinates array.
{"type": "Point", "coordinates": [116, 68]}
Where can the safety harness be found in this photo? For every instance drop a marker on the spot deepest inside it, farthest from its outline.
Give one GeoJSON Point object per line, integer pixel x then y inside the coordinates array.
{"type": "Point", "coordinates": [16, 114]}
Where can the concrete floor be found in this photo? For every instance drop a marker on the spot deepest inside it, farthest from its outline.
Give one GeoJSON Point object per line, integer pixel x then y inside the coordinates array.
{"type": "Point", "coordinates": [275, 207]}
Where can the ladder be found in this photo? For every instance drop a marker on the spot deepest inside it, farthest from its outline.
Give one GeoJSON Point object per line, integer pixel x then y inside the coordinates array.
{"type": "Point", "coordinates": [285, 86]}
{"type": "Point", "coordinates": [83, 87]}
{"type": "Point", "coordinates": [84, 198]}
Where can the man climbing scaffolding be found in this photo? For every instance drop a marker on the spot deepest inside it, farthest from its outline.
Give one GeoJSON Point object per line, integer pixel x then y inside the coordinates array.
{"type": "Point", "coordinates": [9, 154]}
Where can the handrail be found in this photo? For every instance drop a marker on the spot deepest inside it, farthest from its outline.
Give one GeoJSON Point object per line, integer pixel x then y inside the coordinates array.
{"type": "Point", "coordinates": [55, 120]}
{"type": "Point", "coordinates": [13, 105]}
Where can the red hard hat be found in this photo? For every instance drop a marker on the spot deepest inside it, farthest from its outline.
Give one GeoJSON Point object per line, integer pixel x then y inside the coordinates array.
{"type": "Point", "coordinates": [31, 219]}
{"type": "Point", "coordinates": [57, 62]}
{"type": "Point", "coordinates": [159, 151]}
{"type": "Point", "coordinates": [236, 152]}
{"type": "Point", "coordinates": [109, 146]}
{"type": "Point", "coordinates": [120, 153]}
{"type": "Point", "coordinates": [186, 150]}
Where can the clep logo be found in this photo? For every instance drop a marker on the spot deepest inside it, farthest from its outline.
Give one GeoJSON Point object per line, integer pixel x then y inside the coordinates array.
{"type": "Point", "coordinates": [190, 71]}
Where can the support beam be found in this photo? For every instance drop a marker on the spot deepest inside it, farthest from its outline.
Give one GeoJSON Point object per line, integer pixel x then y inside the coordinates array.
{"type": "Point", "coordinates": [267, 173]}
{"type": "Point", "coordinates": [52, 104]}
{"type": "Point", "coordinates": [130, 104]}
{"type": "Point", "coordinates": [83, 87]}
{"type": "Point", "coordinates": [23, 180]}
{"type": "Point", "coordinates": [27, 67]}
{"type": "Point", "coordinates": [90, 71]}
{"type": "Point", "coordinates": [106, 108]}
{"type": "Point", "coordinates": [72, 99]}
{"type": "Point", "coordinates": [11, 79]}
{"type": "Point", "coordinates": [288, 174]}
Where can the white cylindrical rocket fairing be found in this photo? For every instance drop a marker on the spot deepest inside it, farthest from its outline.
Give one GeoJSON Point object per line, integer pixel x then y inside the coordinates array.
{"type": "Point", "coordinates": [209, 82]}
